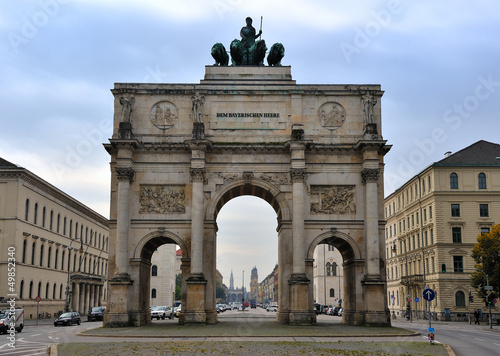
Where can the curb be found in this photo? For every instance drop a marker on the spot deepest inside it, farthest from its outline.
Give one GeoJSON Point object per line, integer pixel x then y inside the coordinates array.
{"type": "Point", "coordinates": [447, 347]}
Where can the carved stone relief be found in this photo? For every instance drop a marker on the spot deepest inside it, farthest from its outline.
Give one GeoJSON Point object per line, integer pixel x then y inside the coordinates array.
{"type": "Point", "coordinates": [164, 115]}
{"type": "Point", "coordinates": [331, 115]}
{"type": "Point", "coordinates": [275, 178]}
{"type": "Point", "coordinates": [162, 199]}
{"type": "Point", "coordinates": [336, 199]}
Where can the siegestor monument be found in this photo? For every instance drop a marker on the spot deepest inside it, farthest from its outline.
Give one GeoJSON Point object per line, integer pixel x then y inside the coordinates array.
{"type": "Point", "coordinates": [179, 152]}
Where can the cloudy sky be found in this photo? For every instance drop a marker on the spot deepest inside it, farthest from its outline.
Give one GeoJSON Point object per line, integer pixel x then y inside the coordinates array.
{"type": "Point", "coordinates": [438, 62]}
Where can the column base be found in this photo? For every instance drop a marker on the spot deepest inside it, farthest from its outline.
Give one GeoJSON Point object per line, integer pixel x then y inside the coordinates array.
{"type": "Point", "coordinates": [300, 313]}
{"type": "Point", "coordinates": [194, 312]}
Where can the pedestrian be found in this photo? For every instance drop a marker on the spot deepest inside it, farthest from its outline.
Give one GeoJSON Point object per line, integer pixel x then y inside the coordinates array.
{"type": "Point", "coordinates": [476, 317]}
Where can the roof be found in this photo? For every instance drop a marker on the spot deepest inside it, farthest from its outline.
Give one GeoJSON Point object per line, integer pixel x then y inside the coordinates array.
{"type": "Point", "coordinates": [6, 164]}
{"type": "Point", "coordinates": [481, 153]}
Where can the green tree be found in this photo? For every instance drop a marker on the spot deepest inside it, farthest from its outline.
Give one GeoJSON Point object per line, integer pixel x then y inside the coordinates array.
{"type": "Point", "coordinates": [486, 253]}
{"type": "Point", "coordinates": [178, 286]}
{"type": "Point", "coordinates": [220, 293]}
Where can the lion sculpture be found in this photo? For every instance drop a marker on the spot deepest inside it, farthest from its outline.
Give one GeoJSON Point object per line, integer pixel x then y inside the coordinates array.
{"type": "Point", "coordinates": [276, 53]}
{"type": "Point", "coordinates": [220, 55]}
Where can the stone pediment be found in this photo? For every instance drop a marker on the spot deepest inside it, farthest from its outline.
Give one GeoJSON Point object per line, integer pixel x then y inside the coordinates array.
{"type": "Point", "coordinates": [458, 251]}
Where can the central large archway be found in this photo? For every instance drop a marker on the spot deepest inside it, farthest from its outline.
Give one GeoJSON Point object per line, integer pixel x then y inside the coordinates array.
{"type": "Point", "coordinates": [180, 152]}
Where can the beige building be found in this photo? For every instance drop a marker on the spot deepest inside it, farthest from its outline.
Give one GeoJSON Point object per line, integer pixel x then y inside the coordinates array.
{"type": "Point", "coordinates": [56, 241]}
{"type": "Point", "coordinates": [434, 219]}
{"type": "Point", "coordinates": [328, 279]}
{"type": "Point", "coordinates": [163, 275]}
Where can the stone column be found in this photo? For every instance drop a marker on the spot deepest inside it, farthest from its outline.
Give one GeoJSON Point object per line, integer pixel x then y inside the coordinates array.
{"type": "Point", "coordinates": [298, 179]}
{"type": "Point", "coordinates": [125, 176]}
{"type": "Point", "coordinates": [370, 178]}
{"type": "Point", "coordinates": [197, 221]}
{"type": "Point", "coordinates": [76, 297]}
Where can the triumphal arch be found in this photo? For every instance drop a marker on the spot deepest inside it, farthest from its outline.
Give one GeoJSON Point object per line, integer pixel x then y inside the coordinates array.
{"type": "Point", "coordinates": [179, 152]}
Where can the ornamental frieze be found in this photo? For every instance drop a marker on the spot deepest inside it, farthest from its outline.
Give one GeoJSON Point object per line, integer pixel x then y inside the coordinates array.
{"type": "Point", "coordinates": [335, 199]}
{"type": "Point", "coordinates": [164, 115]}
{"type": "Point", "coordinates": [331, 115]}
{"type": "Point", "coordinates": [275, 178]}
{"type": "Point", "coordinates": [162, 199]}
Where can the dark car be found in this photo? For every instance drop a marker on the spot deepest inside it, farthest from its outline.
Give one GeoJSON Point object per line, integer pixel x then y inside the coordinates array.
{"type": "Point", "coordinates": [97, 313]}
{"type": "Point", "coordinates": [68, 319]}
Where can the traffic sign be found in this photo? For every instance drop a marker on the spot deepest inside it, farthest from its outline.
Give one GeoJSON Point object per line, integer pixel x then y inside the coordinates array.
{"type": "Point", "coordinates": [488, 287]}
{"type": "Point", "coordinates": [429, 294]}
{"type": "Point", "coordinates": [416, 299]}
{"type": "Point", "coordinates": [38, 299]}
{"type": "Point", "coordinates": [488, 292]}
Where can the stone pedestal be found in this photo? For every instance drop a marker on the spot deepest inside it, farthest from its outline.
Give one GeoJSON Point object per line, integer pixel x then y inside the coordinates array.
{"type": "Point", "coordinates": [118, 298]}
{"type": "Point", "coordinates": [194, 310]}
{"type": "Point", "coordinates": [300, 311]}
{"type": "Point", "coordinates": [376, 312]}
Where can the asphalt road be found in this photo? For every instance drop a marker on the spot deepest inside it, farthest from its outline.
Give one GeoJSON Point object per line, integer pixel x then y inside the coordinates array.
{"type": "Point", "coordinates": [464, 339]}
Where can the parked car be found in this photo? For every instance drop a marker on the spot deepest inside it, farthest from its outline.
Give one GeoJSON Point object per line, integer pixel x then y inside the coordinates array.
{"type": "Point", "coordinates": [273, 308]}
{"type": "Point", "coordinates": [96, 313]}
{"type": "Point", "coordinates": [68, 319]}
{"type": "Point", "coordinates": [220, 308]}
{"type": "Point", "coordinates": [161, 312]}
{"type": "Point", "coordinates": [11, 319]}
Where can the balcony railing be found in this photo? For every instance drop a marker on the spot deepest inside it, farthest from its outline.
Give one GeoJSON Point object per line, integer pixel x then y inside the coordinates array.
{"type": "Point", "coordinates": [412, 279]}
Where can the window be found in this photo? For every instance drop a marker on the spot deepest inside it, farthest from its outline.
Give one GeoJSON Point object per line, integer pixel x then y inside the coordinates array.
{"type": "Point", "coordinates": [460, 299]}
{"type": "Point", "coordinates": [64, 228]}
{"type": "Point", "coordinates": [483, 210]}
{"type": "Point", "coordinates": [47, 290]}
{"type": "Point", "coordinates": [27, 210]}
{"type": "Point", "coordinates": [154, 271]}
{"type": "Point", "coordinates": [456, 233]}
{"type": "Point", "coordinates": [455, 210]}
{"type": "Point", "coordinates": [21, 292]}
{"type": "Point", "coordinates": [54, 291]}
{"type": "Point", "coordinates": [41, 256]}
{"type": "Point", "coordinates": [60, 291]}
{"type": "Point", "coordinates": [58, 222]}
{"type": "Point", "coordinates": [25, 243]}
{"type": "Point", "coordinates": [458, 264]}
{"type": "Point", "coordinates": [332, 293]}
{"type": "Point", "coordinates": [56, 259]}
{"type": "Point", "coordinates": [430, 212]}
{"type": "Point", "coordinates": [453, 181]}
{"type": "Point", "coordinates": [49, 255]}
{"type": "Point", "coordinates": [62, 260]}
{"type": "Point", "coordinates": [485, 230]}
{"type": "Point", "coordinates": [71, 228]}
{"type": "Point", "coordinates": [51, 219]}
{"type": "Point", "coordinates": [481, 181]}
{"type": "Point", "coordinates": [153, 293]}
{"type": "Point", "coordinates": [33, 247]}
{"type": "Point", "coordinates": [334, 268]}
{"type": "Point", "coordinates": [328, 269]}
{"type": "Point", "coordinates": [31, 290]}
{"type": "Point", "coordinates": [432, 237]}
{"type": "Point", "coordinates": [35, 215]}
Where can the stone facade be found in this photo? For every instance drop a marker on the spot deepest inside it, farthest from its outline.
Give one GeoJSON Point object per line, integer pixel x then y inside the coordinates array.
{"type": "Point", "coordinates": [44, 229]}
{"type": "Point", "coordinates": [328, 279]}
{"type": "Point", "coordinates": [313, 152]}
{"type": "Point", "coordinates": [434, 219]}
{"type": "Point", "coordinates": [163, 276]}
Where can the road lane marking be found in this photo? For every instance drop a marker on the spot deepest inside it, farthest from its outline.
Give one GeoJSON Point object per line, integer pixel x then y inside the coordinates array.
{"type": "Point", "coordinates": [496, 344]}
{"type": "Point", "coordinates": [478, 339]}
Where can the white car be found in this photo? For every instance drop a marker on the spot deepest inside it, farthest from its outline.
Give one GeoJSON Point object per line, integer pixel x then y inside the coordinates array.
{"type": "Point", "coordinates": [161, 312]}
{"type": "Point", "coordinates": [273, 308]}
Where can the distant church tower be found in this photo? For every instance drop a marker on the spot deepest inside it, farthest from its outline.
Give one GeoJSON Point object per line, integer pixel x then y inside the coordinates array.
{"type": "Point", "coordinates": [231, 281]}
{"type": "Point", "coordinates": [254, 284]}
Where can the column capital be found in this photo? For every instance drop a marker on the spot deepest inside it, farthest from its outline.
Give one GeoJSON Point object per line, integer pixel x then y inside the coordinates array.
{"type": "Point", "coordinates": [298, 175]}
{"type": "Point", "coordinates": [369, 175]}
{"type": "Point", "coordinates": [125, 173]}
{"type": "Point", "coordinates": [197, 175]}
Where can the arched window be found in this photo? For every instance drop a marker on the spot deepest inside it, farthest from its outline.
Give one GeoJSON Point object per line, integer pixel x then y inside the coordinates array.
{"type": "Point", "coordinates": [328, 269]}
{"type": "Point", "coordinates": [62, 260]}
{"type": "Point", "coordinates": [71, 228]}
{"type": "Point", "coordinates": [60, 291]}
{"type": "Point", "coordinates": [87, 235]}
{"type": "Point", "coordinates": [481, 181]}
{"type": "Point", "coordinates": [453, 181]}
{"type": "Point", "coordinates": [460, 299]}
{"type": "Point", "coordinates": [39, 289]}
{"type": "Point", "coordinates": [43, 217]}
{"type": "Point", "coordinates": [47, 287]}
{"type": "Point", "coordinates": [21, 290]}
{"type": "Point", "coordinates": [153, 293]}
{"type": "Point", "coordinates": [41, 256]}
{"type": "Point", "coordinates": [51, 221]}
{"type": "Point", "coordinates": [35, 214]}
{"type": "Point", "coordinates": [27, 210]}
{"type": "Point", "coordinates": [31, 290]}
{"type": "Point", "coordinates": [76, 231]}
{"type": "Point", "coordinates": [33, 247]}
{"type": "Point", "coordinates": [64, 226]}
{"type": "Point", "coordinates": [49, 256]}
{"type": "Point", "coordinates": [54, 291]}
{"type": "Point", "coordinates": [334, 268]}
{"type": "Point", "coordinates": [332, 293]}
{"type": "Point", "coordinates": [91, 233]}
{"type": "Point", "coordinates": [154, 271]}
{"type": "Point", "coordinates": [58, 223]}
{"type": "Point", "coordinates": [25, 243]}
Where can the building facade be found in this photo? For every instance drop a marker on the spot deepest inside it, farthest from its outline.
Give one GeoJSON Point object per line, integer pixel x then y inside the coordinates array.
{"type": "Point", "coordinates": [163, 275]}
{"type": "Point", "coordinates": [58, 244]}
{"type": "Point", "coordinates": [434, 220]}
{"type": "Point", "coordinates": [328, 278]}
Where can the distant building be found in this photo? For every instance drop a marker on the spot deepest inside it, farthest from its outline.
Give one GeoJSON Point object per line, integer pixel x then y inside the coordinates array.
{"type": "Point", "coordinates": [254, 284]}
{"type": "Point", "coordinates": [434, 220]}
{"type": "Point", "coordinates": [57, 243]}
{"type": "Point", "coordinates": [234, 294]}
{"type": "Point", "coordinates": [163, 274]}
{"type": "Point", "coordinates": [328, 275]}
